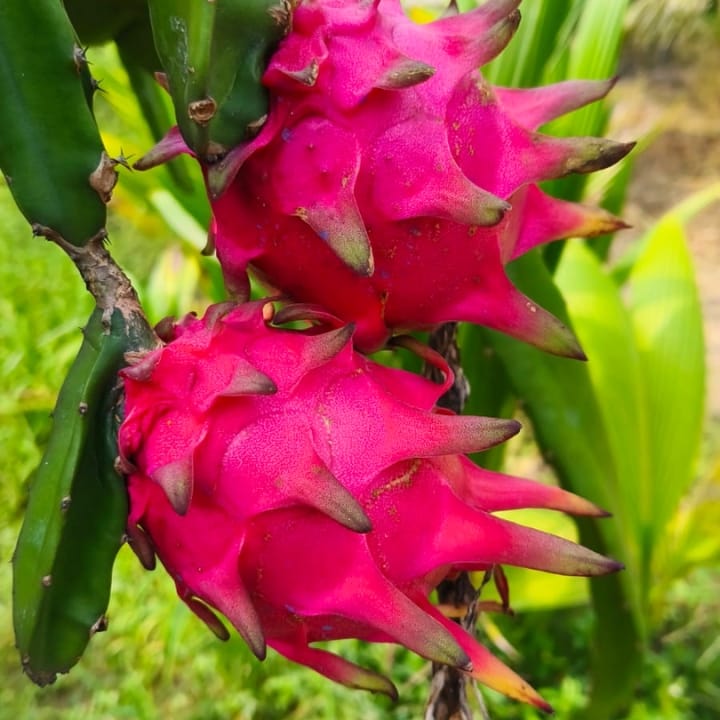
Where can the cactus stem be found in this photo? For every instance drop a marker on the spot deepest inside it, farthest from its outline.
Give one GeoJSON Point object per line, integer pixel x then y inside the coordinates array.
{"type": "Point", "coordinates": [103, 277]}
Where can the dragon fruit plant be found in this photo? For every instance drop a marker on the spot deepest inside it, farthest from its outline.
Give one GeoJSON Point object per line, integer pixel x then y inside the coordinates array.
{"type": "Point", "coordinates": [377, 184]}
{"type": "Point", "coordinates": [284, 479]}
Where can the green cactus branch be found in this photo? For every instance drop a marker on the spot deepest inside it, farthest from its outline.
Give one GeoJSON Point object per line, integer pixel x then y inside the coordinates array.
{"type": "Point", "coordinates": [77, 508]}
{"type": "Point", "coordinates": [51, 152]}
{"type": "Point", "coordinates": [61, 178]}
{"type": "Point", "coordinates": [214, 55]}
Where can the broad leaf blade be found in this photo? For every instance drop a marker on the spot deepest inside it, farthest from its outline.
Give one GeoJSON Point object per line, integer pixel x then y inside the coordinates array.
{"type": "Point", "coordinates": [668, 330]}
{"type": "Point", "coordinates": [559, 398]}
{"type": "Point", "coordinates": [606, 333]}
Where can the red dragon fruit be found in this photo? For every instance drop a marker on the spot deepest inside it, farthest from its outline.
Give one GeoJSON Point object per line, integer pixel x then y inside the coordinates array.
{"type": "Point", "coordinates": [391, 183]}
{"type": "Point", "coordinates": [308, 493]}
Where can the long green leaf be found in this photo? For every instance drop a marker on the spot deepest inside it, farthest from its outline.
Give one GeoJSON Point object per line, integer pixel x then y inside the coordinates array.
{"type": "Point", "coordinates": [647, 369]}
{"type": "Point", "coordinates": [606, 333]}
{"type": "Point", "coordinates": [490, 389]}
{"type": "Point", "coordinates": [667, 321]}
{"type": "Point", "coordinates": [523, 62]}
{"type": "Point", "coordinates": [592, 51]}
{"type": "Point", "coordinates": [560, 400]}
{"type": "Point", "coordinates": [588, 46]}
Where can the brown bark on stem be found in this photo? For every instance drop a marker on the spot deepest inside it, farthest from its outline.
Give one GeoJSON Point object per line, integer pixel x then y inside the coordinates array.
{"type": "Point", "coordinates": [106, 282]}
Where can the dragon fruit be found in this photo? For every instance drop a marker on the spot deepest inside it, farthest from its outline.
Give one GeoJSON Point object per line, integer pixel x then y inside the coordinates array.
{"type": "Point", "coordinates": [391, 183]}
{"type": "Point", "coordinates": [308, 493]}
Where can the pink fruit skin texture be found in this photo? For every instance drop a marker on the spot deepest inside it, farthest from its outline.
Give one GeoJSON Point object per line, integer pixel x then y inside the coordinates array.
{"type": "Point", "coordinates": [391, 183]}
{"type": "Point", "coordinates": [308, 493]}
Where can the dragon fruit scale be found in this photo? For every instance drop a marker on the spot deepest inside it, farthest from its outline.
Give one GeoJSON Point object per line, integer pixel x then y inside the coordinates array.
{"type": "Point", "coordinates": [391, 183]}
{"type": "Point", "coordinates": [307, 493]}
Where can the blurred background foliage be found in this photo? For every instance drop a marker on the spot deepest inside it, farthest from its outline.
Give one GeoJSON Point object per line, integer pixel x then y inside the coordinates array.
{"type": "Point", "coordinates": [628, 430]}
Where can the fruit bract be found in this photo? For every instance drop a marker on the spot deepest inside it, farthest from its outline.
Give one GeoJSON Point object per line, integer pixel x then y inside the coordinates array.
{"type": "Point", "coordinates": [308, 493]}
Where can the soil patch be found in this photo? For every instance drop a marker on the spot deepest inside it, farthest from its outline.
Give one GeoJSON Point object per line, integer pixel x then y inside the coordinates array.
{"type": "Point", "coordinates": [678, 103]}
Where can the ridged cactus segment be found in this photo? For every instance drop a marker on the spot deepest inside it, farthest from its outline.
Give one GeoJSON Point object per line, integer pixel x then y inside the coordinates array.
{"type": "Point", "coordinates": [77, 508]}
{"type": "Point", "coordinates": [214, 54]}
{"type": "Point", "coordinates": [318, 493]}
{"type": "Point", "coordinates": [51, 152]}
{"type": "Point", "coordinates": [127, 22]}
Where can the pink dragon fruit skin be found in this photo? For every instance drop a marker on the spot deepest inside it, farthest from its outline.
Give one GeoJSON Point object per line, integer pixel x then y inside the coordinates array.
{"type": "Point", "coordinates": [399, 181]}
{"type": "Point", "coordinates": [307, 493]}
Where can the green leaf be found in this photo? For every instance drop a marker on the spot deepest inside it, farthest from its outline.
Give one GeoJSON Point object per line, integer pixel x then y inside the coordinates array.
{"type": "Point", "coordinates": [523, 62]}
{"type": "Point", "coordinates": [647, 369]}
{"type": "Point", "coordinates": [691, 539]}
{"type": "Point", "coordinates": [645, 343]}
{"type": "Point", "coordinates": [591, 50]}
{"type": "Point", "coordinates": [559, 398]}
{"type": "Point", "coordinates": [491, 393]}
{"type": "Point", "coordinates": [587, 47]}
{"type": "Point", "coordinates": [606, 333]}
{"type": "Point", "coordinates": [667, 321]}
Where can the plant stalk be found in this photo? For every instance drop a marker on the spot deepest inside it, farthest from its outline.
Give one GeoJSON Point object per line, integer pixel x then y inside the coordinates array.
{"type": "Point", "coordinates": [449, 687]}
